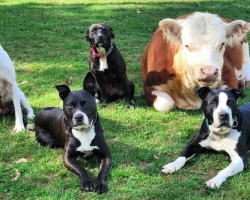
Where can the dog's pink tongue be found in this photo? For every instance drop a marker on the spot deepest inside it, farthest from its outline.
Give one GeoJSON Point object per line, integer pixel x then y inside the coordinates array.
{"type": "Point", "coordinates": [94, 53]}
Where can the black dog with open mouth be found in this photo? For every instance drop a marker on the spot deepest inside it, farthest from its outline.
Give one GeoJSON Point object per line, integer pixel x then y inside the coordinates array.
{"type": "Point", "coordinates": [78, 130]}
{"type": "Point", "coordinates": [225, 128]}
{"type": "Point", "coordinates": [108, 66]}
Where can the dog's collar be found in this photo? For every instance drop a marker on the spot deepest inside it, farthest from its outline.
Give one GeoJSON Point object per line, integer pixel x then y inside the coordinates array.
{"type": "Point", "coordinates": [94, 53]}
{"type": "Point", "coordinates": [110, 49]}
{"type": "Point", "coordinates": [207, 123]}
{"type": "Point", "coordinates": [98, 54]}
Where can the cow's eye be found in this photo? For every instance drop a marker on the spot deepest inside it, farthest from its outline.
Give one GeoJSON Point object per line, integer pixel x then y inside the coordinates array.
{"type": "Point", "coordinates": [222, 45]}
{"type": "Point", "coordinates": [188, 48]}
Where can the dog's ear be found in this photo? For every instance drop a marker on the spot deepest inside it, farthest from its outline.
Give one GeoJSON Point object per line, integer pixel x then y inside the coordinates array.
{"type": "Point", "coordinates": [87, 35]}
{"type": "Point", "coordinates": [89, 83]}
{"type": "Point", "coordinates": [202, 92]}
{"type": "Point", "coordinates": [237, 93]}
{"type": "Point", "coordinates": [112, 33]}
{"type": "Point", "coordinates": [63, 91]}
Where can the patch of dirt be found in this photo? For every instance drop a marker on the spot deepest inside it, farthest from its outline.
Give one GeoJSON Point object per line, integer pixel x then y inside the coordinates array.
{"type": "Point", "coordinates": [173, 129]}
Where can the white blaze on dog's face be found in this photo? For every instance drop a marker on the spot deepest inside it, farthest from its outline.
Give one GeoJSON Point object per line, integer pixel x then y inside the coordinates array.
{"type": "Point", "coordinates": [202, 38]}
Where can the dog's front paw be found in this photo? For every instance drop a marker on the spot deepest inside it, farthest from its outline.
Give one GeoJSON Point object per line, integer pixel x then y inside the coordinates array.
{"type": "Point", "coordinates": [30, 115]}
{"type": "Point", "coordinates": [18, 128]}
{"type": "Point", "coordinates": [97, 101]}
{"type": "Point", "coordinates": [104, 102]}
{"type": "Point", "coordinates": [101, 188]}
{"type": "Point", "coordinates": [169, 168]}
{"type": "Point", "coordinates": [87, 185]}
{"type": "Point", "coordinates": [130, 104]}
{"type": "Point", "coordinates": [215, 182]}
{"type": "Point", "coordinates": [174, 166]}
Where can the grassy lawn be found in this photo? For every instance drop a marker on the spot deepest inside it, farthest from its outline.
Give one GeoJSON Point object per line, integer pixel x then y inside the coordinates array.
{"type": "Point", "coordinates": [45, 40]}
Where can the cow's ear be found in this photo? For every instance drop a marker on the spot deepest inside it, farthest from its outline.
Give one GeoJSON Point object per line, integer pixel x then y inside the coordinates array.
{"type": "Point", "coordinates": [171, 29]}
{"type": "Point", "coordinates": [236, 31]}
{"type": "Point", "coordinates": [203, 92]}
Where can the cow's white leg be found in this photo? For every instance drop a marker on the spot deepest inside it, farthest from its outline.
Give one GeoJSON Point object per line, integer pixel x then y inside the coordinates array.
{"type": "Point", "coordinates": [174, 166]}
{"type": "Point", "coordinates": [163, 102]}
{"type": "Point", "coordinates": [235, 167]}
{"type": "Point", "coordinates": [17, 105]}
{"type": "Point", "coordinates": [24, 103]}
{"type": "Point", "coordinates": [246, 62]}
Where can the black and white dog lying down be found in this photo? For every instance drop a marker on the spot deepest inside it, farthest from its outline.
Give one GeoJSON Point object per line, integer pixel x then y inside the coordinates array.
{"type": "Point", "coordinates": [225, 128]}
{"type": "Point", "coordinates": [78, 130]}
{"type": "Point", "coordinates": [108, 66]}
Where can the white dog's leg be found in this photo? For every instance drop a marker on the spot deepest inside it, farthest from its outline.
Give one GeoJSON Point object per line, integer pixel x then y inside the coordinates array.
{"type": "Point", "coordinates": [235, 167]}
{"type": "Point", "coordinates": [17, 105]}
{"type": "Point", "coordinates": [24, 103]}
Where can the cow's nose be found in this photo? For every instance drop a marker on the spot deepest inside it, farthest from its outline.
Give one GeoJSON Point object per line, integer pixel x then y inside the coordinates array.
{"type": "Point", "coordinates": [78, 117]}
{"type": "Point", "coordinates": [209, 72]}
{"type": "Point", "coordinates": [223, 115]}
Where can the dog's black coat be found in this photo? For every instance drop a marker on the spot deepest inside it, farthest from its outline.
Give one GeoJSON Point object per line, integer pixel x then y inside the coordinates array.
{"type": "Point", "coordinates": [112, 82]}
{"type": "Point", "coordinates": [54, 127]}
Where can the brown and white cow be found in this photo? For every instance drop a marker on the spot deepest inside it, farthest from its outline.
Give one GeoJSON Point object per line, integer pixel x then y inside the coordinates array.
{"type": "Point", "coordinates": [192, 51]}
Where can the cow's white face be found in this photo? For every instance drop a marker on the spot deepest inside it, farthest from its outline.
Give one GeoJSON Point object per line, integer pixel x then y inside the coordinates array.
{"type": "Point", "coordinates": [203, 38]}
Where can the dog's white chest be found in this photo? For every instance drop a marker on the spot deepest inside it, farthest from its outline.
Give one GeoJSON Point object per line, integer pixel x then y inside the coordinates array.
{"type": "Point", "coordinates": [227, 144]}
{"type": "Point", "coordinates": [103, 63]}
{"type": "Point", "coordinates": [85, 139]}
{"type": "Point", "coordinates": [103, 60]}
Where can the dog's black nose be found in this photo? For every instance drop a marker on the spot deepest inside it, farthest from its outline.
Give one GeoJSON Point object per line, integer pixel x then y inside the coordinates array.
{"type": "Point", "coordinates": [79, 117]}
{"type": "Point", "coordinates": [99, 37]}
{"type": "Point", "coordinates": [224, 115]}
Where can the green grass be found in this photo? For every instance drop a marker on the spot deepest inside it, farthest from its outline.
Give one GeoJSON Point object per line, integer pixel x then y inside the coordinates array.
{"type": "Point", "coordinates": [46, 43]}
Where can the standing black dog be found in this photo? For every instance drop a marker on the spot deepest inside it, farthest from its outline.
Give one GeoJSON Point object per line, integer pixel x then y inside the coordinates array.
{"type": "Point", "coordinates": [225, 128]}
{"type": "Point", "coordinates": [78, 130]}
{"type": "Point", "coordinates": [107, 65]}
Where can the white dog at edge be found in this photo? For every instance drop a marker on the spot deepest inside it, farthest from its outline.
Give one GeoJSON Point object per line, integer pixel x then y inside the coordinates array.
{"type": "Point", "coordinates": [9, 91]}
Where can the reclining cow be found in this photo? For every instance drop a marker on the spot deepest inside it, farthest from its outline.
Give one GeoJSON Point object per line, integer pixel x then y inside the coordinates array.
{"type": "Point", "coordinates": [192, 51]}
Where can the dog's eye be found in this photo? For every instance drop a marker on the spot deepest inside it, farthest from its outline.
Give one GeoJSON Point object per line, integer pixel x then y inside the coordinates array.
{"type": "Point", "coordinates": [211, 103]}
{"type": "Point", "coordinates": [84, 103]}
{"type": "Point", "coordinates": [69, 106]}
{"type": "Point", "coordinates": [230, 102]}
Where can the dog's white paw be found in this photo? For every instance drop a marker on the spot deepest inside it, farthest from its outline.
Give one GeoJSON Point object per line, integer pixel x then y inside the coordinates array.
{"type": "Point", "coordinates": [18, 128]}
{"type": "Point", "coordinates": [30, 115]}
{"type": "Point", "coordinates": [97, 101]}
{"type": "Point", "coordinates": [169, 168]}
{"type": "Point", "coordinates": [174, 166]}
{"type": "Point", "coordinates": [215, 182]}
